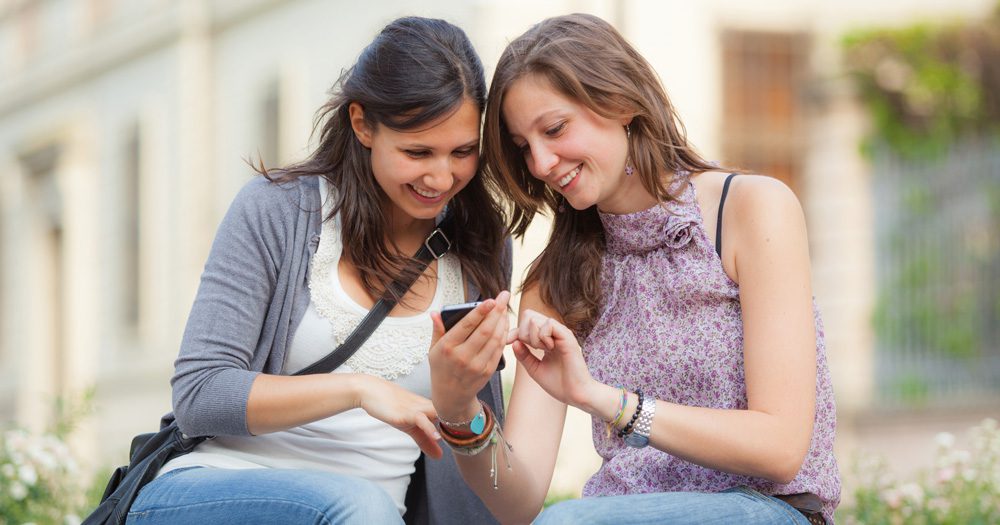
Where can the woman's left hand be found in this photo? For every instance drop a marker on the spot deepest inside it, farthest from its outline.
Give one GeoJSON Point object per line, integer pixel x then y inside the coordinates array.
{"type": "Point", "coordinates": [463, 359]}
{"type": "Point", "coordinates": [561, 370]}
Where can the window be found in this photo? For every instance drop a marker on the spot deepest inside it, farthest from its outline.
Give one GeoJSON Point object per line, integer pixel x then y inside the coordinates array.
{"type": "Point", "coordinates": [764, 81]}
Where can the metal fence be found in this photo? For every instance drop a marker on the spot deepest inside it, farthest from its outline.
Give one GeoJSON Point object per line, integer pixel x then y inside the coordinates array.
{"type": "Point", "coordinates": [937, 317]}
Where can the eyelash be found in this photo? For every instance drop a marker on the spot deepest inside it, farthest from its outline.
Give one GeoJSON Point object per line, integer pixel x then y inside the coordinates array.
{"type": "Point", "coordinates": [554, 131]}
{"type": "Point", "coordinates": [414, 154]}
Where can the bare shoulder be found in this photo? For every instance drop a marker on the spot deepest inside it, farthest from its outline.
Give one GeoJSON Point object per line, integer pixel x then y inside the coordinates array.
{"type": "Point", "coordinates": [763, 202]}
{"type": "Point", "coordinates": [769, 229]}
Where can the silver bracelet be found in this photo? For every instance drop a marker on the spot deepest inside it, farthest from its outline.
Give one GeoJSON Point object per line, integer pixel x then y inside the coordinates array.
{"type": "Point", "coordinates": [639, 437]}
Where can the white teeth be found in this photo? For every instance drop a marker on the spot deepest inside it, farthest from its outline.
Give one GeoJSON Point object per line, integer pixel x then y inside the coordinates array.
{"type": "Point", "coordinates": [569, 177]}
{"type": "Point", "coordinates": [426, 193]}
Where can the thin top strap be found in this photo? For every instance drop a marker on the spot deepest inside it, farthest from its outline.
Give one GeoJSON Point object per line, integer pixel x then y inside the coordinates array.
{"type": "Point", "coordinates": [718, 223]}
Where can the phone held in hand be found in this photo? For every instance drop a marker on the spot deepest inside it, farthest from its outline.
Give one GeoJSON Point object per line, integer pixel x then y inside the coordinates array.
{"type": "Point", "coordinates": [453, 313]}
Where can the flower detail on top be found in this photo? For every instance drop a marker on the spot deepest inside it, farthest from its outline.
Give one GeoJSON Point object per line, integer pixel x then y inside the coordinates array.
{"type": "Point", "coordinates": [667, 224]}
{"type": "Point", "coordinates": [678, 231]}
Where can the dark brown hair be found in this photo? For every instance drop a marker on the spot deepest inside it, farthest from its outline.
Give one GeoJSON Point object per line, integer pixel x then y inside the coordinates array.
{"type": "Point", "coordinates": [417, 70]}
{"type": "Point", "coordinates": [614, 81]}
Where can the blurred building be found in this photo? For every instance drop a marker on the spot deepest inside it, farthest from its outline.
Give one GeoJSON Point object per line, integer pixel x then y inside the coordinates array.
{"type": "Point", "coordinates": [125, 125]}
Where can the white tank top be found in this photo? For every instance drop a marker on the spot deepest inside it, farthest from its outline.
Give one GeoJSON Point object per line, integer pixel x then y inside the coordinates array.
{"type": "Point", "coordinates": [352, 442]}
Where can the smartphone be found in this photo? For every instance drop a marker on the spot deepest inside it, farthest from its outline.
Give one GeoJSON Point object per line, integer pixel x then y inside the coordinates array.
{"type": "Point", "coordinates": [453, 313]}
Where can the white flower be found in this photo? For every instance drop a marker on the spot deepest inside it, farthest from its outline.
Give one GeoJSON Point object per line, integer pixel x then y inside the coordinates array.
{"type": "Point", "coordinates": [912, 492]}
{"type": "Point", "coordinates": [945, 474]}
{"type": "Point", "coordinates": [41, 454]}
{"type": "Point", "coordinates": [8, 470]}
{"type": "Point", "coordinates": [72, 519]}
{"type": "Point", "coordinates": [27, 474]}
{"type": "Point", "coordinates": [17, 440]}
{"type": "Point", "coordinates": [892, 498]}
{"type": "Point", "coordinates": [945, 440]}
{"type": "Point", "coordinates": [939, 504]}
{"type": "Point", "coordinates": [18, 491]}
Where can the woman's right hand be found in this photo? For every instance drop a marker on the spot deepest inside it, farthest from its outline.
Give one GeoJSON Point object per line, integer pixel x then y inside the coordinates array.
{"type": "Point", "coordinates": [559, 368]}
{"type": "Point", "coordinates": [403, 410]}
{"type": "Point", "coordinates": [463, 359]}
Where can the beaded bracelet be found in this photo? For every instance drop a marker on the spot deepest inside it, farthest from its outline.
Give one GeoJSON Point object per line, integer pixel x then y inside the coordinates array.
{"type": "Point", "coordinates": [635, 416]}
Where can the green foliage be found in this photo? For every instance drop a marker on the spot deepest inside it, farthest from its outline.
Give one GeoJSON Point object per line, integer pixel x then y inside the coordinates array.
{"type": "Point", "coordinates": [962, 488]}
{"type": "Point", "coordinates": [39, 477]}
{"type": "Point", "coordinates": [555, 497]}
{"type": "Point", "coordinates": [38, 480]}
{"type": "Point", "coordinates": [936, 315]}
{"type": "Point", "coordinates": [923, 306]}
{"type": "Point", "coordinates": [926, 85]}
{"type": "Point", "coordinates": [69, 411]}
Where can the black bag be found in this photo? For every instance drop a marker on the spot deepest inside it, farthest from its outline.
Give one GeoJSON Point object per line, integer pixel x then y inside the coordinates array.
{"type": "Point", "coordinates": [149, 452]}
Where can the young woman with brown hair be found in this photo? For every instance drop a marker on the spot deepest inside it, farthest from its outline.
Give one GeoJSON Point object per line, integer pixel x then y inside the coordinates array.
{"type": "Point", "coordinates": [301, 256]}
{"type": "Point", "coordinates": [684, 327]}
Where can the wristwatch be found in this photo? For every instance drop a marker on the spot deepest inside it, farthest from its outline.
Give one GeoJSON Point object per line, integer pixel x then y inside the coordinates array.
{"type": "Point", "coordinates": [639, 437]}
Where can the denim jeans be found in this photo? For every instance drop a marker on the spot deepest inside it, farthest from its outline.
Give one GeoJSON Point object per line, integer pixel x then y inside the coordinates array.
{"type": "Point", "coordinates": [261, 496]}
{"type": "Point", "coordinates": [738, 505]}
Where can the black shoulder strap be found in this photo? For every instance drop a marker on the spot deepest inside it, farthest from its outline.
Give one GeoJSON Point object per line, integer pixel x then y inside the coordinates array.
{"type": "Point", "coordinates": [435, 246]}
{"type": "Point", "coordinates": [718, 223]}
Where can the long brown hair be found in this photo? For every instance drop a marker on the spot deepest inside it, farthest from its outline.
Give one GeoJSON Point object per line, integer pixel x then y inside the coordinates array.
{"type": "Point", "coordinates": [415, 71]}
{"type": "Point", "coordinates": [585, 59]}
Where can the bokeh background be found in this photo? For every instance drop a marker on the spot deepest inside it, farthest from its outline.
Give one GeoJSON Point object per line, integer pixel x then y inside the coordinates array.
{"type": "Point", "coordinates": [125, 125]}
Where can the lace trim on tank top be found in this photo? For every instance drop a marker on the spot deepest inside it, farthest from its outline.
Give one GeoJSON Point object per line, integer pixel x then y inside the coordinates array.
{"type": "Point", "coordinates": [399, 344]}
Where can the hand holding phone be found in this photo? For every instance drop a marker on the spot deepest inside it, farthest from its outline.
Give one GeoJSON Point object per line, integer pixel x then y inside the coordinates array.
{"type": "Point", "coordinates": [453, 313]}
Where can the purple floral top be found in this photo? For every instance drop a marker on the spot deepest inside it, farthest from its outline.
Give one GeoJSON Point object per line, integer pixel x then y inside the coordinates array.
{"type": "Point", "coordinates": [671, 326]}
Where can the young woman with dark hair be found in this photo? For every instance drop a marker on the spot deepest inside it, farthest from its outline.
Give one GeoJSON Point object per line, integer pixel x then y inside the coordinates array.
{"type": "Point", "coordinates": [301, 256]}
{"type": "Point", "coordinates": [685, 328]}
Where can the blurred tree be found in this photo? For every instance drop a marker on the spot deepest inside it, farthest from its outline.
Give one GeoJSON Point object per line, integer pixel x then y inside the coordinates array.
{"type": "Point", "coordinates": [927, 85]}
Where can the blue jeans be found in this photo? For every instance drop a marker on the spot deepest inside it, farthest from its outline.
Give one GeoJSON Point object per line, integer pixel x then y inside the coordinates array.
{"type": "Point", "coordinates": [264, 496]}
{"type": "Point", "coordinates": [739, 505]}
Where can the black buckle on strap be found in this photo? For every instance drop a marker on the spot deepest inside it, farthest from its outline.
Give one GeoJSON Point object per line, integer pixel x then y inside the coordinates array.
{"type": "Point", "coordinates": [438, 238]}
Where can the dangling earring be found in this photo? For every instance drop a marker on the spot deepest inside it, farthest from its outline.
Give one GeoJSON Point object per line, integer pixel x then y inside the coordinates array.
{"type": "Point", "coordinates": [629, 169]}
{"type": "Point", "coordinates": [562, 204]}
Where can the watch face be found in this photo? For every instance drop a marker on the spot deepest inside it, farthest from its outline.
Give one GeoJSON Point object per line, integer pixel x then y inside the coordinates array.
{"type": "Point", "coordinates": [636, 440]}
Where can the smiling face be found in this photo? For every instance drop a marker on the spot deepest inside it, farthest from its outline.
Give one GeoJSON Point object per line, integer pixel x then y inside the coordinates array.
{"type": "Point", "coordinates": [421, 170]}
{"type": "Point", "coordinates": [575, 151]}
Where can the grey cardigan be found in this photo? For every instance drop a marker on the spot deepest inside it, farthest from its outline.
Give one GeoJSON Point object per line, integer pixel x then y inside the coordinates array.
{"type": "Point", "coordinates": [252, 296]}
